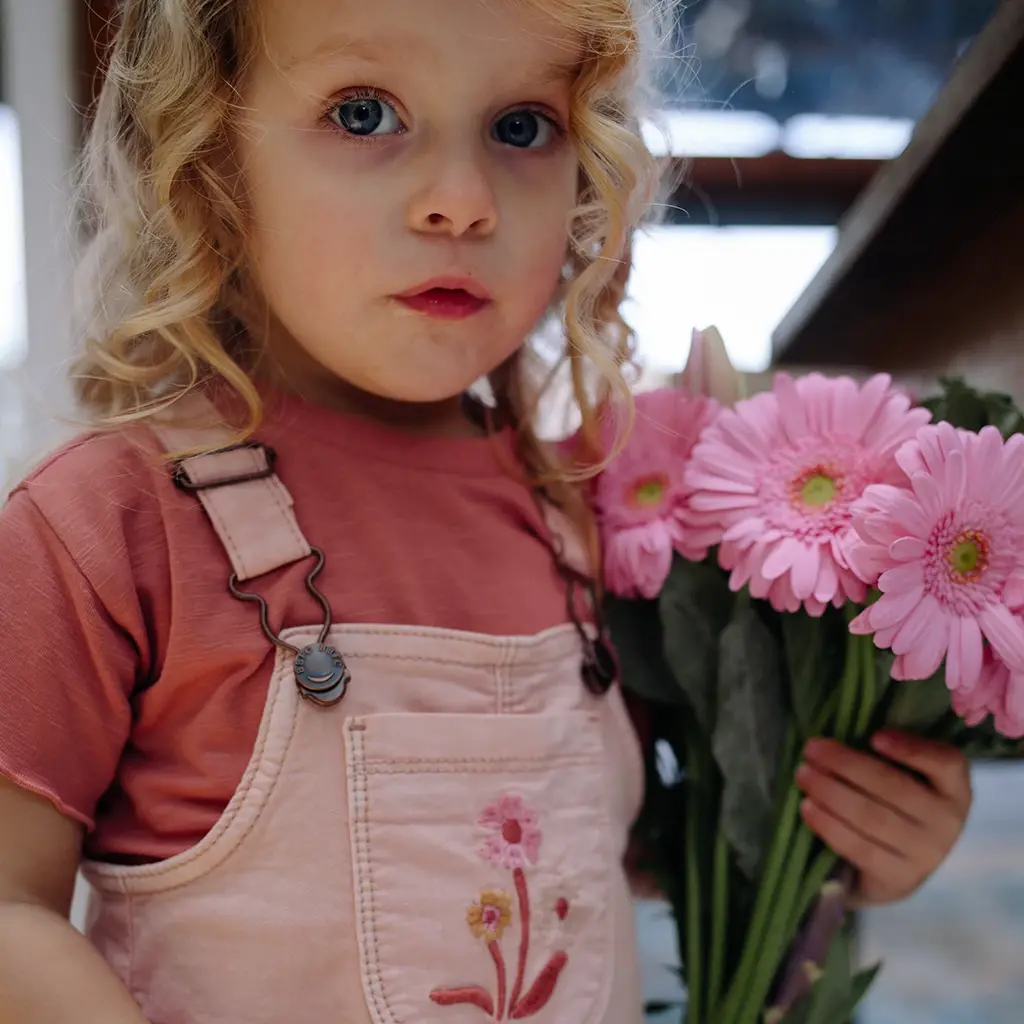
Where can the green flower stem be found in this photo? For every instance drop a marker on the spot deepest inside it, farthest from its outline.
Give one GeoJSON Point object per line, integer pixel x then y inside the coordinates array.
{"type": "Point", "coordinates": [777, 918]}
{"type": "Point", "coordinates": [779, 936]}
{"type": "Point", "coordinates": [693, 953]}
{"type": "Point", "coordinates": [848, 687]}
{"type": "Point", "coordinates": [818, 875]}
{"type": "Point", "coordinates": [778, 856]}
{"type": "Point", "coordinates": [719, 921]}
{"type": "Point", "coordinates": [869, 685]}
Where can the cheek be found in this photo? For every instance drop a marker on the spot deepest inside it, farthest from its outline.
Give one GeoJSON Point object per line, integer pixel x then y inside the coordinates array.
{"type": "Point", "coordinates": [309, 236]}
{"type": "Point", "coordinates": [538, 219]}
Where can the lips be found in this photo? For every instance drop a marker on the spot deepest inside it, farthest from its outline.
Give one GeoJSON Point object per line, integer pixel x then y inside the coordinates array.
{"type": "Point", "coordinates": [447, 298]}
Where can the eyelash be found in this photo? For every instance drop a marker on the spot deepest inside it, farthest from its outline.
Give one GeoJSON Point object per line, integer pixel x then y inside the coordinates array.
{"type": "Point", "coordinates": [363, 93]}
{"type": "Point", "coordinates": [370, 93]}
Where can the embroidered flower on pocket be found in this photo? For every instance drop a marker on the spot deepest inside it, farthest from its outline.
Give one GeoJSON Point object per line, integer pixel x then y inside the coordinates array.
{"type": "Point", "coordinates": [514, 844]}
{"type": "Point", "coordinates": [489, 916]}
{"type": "Point", "coordinates": [555, 909]}
{"type": "Point", "coordinates": [515, 835]}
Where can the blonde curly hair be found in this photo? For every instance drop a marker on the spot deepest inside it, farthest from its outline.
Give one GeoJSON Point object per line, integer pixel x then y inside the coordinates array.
{"type": "Point", "coordinates": [163, 273]}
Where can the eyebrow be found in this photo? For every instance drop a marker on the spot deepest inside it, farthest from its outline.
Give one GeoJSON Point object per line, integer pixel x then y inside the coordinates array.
{"type": "Point", "coordinates": [371, 51]}
{"type": "Point", "coordinates": [380, 50]}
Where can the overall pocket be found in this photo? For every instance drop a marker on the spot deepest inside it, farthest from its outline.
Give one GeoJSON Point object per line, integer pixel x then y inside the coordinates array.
{"type": "Point", "coordinates": [483, 855]}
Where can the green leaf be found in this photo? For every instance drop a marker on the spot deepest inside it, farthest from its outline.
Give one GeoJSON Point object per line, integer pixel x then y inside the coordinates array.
{"type": "Point", "coordinates": [832, 991]}
{"type": "Point", "coordinates": [862, 982]}
{"type": "Point", "coordinates": [695, 607]}
{"type": "Point", "coordinates": [635, 628]}
{"type": "Point", "coordinates": [814, 657]}
{"type": "Point", "coordinates": [960, 405]}
{"type": "Point", "coordinates": [1003, 414]}
{"type": "Point", "coordinates": [918, 706]}
{"type": "Point", "coordinates": [837, 994]}
{"type": "Point", "coordinates": [749, 733]}
{"type": "Point", "coordinates": [841, 1008]}
{"type": "Point", "coordinates": [966, 407]}
{"type": "Point", "coordinates": [801, 1009]}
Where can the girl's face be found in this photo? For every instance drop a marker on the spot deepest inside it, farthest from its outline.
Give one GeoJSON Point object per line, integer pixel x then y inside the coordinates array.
{"type": "Point", "coordinates": [386, 144]}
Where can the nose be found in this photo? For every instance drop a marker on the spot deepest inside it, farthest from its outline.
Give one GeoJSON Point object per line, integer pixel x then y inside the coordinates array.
{"type": "Point", "coordinates": [456, 199]}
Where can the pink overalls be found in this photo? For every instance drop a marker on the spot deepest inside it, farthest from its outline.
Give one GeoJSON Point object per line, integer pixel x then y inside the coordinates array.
{"type": "Point", "coordinates": [442, 845]}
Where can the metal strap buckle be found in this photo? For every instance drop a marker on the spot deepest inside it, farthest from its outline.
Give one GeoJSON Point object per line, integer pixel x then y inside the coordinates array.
{"type": "Point", "coordinates": [182, 481]}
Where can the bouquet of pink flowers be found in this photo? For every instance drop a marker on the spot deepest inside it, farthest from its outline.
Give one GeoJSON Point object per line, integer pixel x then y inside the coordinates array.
{"type": "Point", "coordinates": [826, 558]}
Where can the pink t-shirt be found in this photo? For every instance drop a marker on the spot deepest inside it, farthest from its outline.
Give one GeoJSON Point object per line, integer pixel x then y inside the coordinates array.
{"type": "Point", "coordinates": [132, 683]}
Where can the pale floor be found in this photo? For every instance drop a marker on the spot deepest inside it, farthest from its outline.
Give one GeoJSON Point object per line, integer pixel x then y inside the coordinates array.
{"type": "Point", "coordinates": [954, 952]}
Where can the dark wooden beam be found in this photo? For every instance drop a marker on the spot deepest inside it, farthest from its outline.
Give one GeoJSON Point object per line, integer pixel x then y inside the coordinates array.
{"type": "Point", "coordinates": [948, 212]}
{"type": "Point", "coordinates": [94, 32]}
{"type": "Point", "coordinates": [773, 189]}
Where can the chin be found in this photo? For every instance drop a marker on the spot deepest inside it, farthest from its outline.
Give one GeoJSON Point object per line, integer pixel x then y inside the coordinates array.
{"type": "Point", "coordinates": [422, 392]}
{"type": "Point", "coordinates": [425, 384]}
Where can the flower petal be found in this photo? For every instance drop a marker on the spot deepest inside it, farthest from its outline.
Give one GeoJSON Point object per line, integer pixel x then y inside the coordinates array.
{"type": "Point", "coordinates": [925, 616]}
{"type": "Point", "coordinates": [908, 549]}
{"type": "Point", "coordinates": [923, 659]}
{"type": "Point", "coordinates": [956, 479]}
{"type": "Point", "coordinates": [827, 582]}
{"type": "Point", "coordinates": [781, 558]}
{"type": "Point", "coordinates": [805, 570]}
{"type": "Point", "coordinates": [908, 512]}
{"type": "Point", "coordinates": [891, 609]}
{"type": "Point", "coordinates": [905, 576]}
{"type": "Point", "coordinates": [1005, 632]}
{"type": "Point", "coordinates": [638, 560]}
{"type": "Point", "coordinates": [792, 412]}
{"type": "Point", "coordinates": [929, 494]}
{"type": "Point", "coordinates": [964, 659]}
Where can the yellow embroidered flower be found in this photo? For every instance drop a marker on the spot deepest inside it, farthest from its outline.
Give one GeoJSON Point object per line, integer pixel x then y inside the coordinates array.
{"type": "Point", "coordinates": [489, 916]}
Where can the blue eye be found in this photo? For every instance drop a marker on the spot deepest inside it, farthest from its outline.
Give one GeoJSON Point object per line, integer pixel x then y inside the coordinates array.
{"type": "Point", "coordinates": [364, 116]}
{"type": "Point", "coordinates": [524, 129]}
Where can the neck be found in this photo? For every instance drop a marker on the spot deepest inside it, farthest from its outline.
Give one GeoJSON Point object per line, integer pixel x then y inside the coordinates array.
{"type": "Point", "coordinates": [290, 369]}
{"type": "Point", "coordinates": [445, 418]}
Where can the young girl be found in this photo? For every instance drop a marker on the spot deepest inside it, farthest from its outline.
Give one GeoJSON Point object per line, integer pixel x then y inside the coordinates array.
{"type": "Point", "coordinates": [297, 657]}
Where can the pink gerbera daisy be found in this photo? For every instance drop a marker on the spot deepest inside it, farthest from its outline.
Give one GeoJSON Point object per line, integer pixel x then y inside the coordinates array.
{"type": "Point", "coordinates": [950, 551]}
{"type": "Point", "coordinates": [999, 693]}
{"type": "Point", "coordinates": [515, 836]}
{"type": "Point", "coordinates": [773, 482]}
{"type": "Point", "coordinates": [640, 496]}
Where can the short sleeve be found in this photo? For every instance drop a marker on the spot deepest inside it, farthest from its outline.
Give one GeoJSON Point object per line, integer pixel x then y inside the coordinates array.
{"type": "Point", "coordinates": [67, 667]}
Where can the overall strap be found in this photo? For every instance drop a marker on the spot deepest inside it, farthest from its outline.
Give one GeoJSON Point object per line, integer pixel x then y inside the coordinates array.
{"type": "Point", "coordinates": [249, 507]}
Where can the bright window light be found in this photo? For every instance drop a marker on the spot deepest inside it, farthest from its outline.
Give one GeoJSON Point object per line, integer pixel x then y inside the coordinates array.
{"type": "Point", "coordinates": [13, 317]}
{"type": "Point", "coordinates": [742, 280]}
{"type": "Point", "coordinates": [696, 133]}
{"type": "Point", "coordinates": [814, 136]}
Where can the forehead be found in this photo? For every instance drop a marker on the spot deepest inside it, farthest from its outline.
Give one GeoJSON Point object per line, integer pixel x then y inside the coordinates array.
{"type": "Point", "coordinates": [504, 36]}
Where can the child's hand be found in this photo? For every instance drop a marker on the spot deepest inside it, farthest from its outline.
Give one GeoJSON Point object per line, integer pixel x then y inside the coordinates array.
{"type": "Point", "coordinates": [894, 829]}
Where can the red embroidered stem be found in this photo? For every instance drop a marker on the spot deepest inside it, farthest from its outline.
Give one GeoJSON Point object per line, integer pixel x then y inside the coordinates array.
{"type": "Point", "coordinates": [543, 988]}
{"type": "Point", "coordinates": [474, 995]}
{"type": "Point", "coordinates": [499, 963]}
{"type": "Point", "coordinates": [524, 941]}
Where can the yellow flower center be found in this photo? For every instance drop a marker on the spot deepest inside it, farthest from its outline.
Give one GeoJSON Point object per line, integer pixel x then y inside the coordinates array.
{"type": "Point", "coordinates": [816, 487]}
{"type": "Point", "coordinates": [968, 556]}
{"type": "Point", "coordinates": [649, 491]}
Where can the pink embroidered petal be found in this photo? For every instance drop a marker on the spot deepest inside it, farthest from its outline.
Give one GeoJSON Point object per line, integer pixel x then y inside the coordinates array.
{"type": "Point", "coordinates": [516, 835]}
